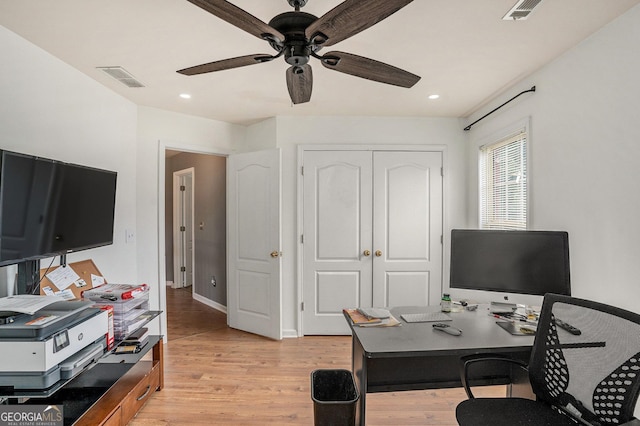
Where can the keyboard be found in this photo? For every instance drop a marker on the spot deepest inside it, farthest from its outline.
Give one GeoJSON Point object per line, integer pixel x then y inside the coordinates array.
{"type": "Point", "coordinates": [426, 317]}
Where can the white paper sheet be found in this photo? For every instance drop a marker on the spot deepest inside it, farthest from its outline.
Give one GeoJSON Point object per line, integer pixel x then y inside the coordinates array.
{"type": "Point", "coordinates": [26, 303]}
{"type": "Point", "coordinates": [63, 277]}
{"type": "Point", "coordinates": [97, 280]}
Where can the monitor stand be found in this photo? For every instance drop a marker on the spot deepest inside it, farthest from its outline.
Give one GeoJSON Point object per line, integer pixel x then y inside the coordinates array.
{"type": "Point", "coordinates": [29, 277]}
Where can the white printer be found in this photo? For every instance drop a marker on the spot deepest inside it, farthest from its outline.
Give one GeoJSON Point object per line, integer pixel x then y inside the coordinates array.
{"type": "Point", "coordinates": [54, 343]}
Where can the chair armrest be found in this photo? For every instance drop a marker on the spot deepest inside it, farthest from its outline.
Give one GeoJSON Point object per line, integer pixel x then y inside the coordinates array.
{"type": "Point", "coordinates": [466, 361]}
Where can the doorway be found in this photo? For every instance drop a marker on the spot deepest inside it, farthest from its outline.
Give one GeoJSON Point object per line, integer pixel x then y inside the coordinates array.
{"type": "Point", "coordinates": [205, 209]}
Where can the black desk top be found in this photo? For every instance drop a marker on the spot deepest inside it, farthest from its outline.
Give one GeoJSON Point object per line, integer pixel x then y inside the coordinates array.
{"type": "Point", "coordinates": [480, 333]}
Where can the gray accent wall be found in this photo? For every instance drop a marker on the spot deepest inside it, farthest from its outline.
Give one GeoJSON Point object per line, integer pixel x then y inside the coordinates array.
{"type": "Point", "coordinates": [210, 211]}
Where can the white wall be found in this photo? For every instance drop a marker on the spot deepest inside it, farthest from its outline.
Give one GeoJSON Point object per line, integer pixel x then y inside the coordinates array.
{"type": "Point", "coordinates": [584, 148]}
{"type": "Point", "coordinates": [157, 131]}
{"type": "Point", "coordinates": [49, 109]}
{"type": "Point", "coordinates": [293, 131]}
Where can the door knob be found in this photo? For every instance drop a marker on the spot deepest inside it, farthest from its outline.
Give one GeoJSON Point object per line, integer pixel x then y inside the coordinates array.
{"type": "Point", "coordinates": [367, 253]}
{"type": "Point", "coordinates": [275, 253]}
{"type": "Point", "coordinates": [378, 253]}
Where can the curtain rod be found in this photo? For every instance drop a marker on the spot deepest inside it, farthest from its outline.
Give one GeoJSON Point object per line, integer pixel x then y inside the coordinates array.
{"type": "Point", "coordinates": [533, 89]}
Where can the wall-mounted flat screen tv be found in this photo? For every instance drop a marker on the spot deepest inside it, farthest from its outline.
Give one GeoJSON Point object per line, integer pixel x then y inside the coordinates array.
{"type": "Point", "coordinates": [521, 262]}
{"type": "Point", "coordinates": [49, 207]}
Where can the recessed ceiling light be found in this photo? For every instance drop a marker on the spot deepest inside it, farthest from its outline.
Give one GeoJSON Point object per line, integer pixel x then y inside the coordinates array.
{"type": "Point", "coordinates": [434, 96]}
{"type": "Point", "coordinates": [185, 96]}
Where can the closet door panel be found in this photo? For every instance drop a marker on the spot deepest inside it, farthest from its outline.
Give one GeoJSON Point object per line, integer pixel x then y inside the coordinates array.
{"type": "Point", "coordinates": [336, 290]}
{"type": "Point", "coordinates": [407, 288]}
{"type": "Point", "coordinates": [337, 231]}
{"type": "Point", "coordinates": [407, 228]}
{"type": "Point", "coordinates": [406, 207]}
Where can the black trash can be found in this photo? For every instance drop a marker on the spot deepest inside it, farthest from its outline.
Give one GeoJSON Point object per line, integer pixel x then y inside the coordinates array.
{"type": "Point", "coordinates": [334, 397]}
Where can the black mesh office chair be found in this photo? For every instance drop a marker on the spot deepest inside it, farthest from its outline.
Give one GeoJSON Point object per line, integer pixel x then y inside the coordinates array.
{"type": "Point", "coordinates": [588, 375]}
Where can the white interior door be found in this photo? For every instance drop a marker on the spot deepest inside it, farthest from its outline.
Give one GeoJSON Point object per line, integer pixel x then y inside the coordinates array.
{"type": "Point", "coordinates": [337, 238]}
{"type": "Point", "coordinates": [372, 231]}
{"type": "Point", "coordinates": [183, 228]}
{"type": "Point", "coordinates": [253, 240]}
{"type": "Point", "coordinates": [407, 230]}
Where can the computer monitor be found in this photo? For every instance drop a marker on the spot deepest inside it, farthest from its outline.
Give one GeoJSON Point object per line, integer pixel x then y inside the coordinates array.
{"type": "Point", "coordinates": [511, 264]}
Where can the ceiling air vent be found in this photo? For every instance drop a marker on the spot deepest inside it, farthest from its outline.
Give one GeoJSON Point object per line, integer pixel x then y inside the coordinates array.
{"type": "Point", "coordinates": [521, 10]}
{"type": "Point", "coordinates": [122, 75]}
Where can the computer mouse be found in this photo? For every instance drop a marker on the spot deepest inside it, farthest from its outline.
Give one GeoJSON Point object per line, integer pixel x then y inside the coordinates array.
{"type": "Point", "coordinates": [447, 329]}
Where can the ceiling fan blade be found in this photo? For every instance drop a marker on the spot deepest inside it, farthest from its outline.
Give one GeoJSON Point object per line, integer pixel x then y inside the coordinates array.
{"type": "Point", "coordinates": [300, 83]}
{"type": "Point", "coordinates": [226, 64]}
{"type": "Point", "coordinates": [240, 18]}
{"type": "Point", "coordinates": [369, 69]}
{"type": "Point", "coordinates": [349, 18]}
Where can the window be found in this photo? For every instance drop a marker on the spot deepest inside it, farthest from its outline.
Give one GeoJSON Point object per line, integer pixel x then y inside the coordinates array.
{"type": "Point", "coordinates": [503, 183]}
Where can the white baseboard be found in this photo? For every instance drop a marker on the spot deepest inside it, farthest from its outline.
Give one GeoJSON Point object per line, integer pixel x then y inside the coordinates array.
{"type": "Point", "coordinates": [215, 305]}
{"type": "Point", "coordinates": [290, 334]}
{"type": "Point", "coordinates": [170, 284]}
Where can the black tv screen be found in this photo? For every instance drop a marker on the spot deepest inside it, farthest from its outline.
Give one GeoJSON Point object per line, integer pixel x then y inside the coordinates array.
{"type": "Point", "coordinates": [48, 207]}
{"type": "Point", "coordinates": [522, 262]}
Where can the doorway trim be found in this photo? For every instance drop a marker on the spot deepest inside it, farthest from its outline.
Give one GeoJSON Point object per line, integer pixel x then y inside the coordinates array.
{"type": "Point", "coordinates": [441, 148]}
{"type": "Point", "coordinates": [183, 219]}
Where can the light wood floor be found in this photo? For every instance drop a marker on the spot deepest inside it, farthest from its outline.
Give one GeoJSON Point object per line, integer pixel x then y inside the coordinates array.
{"type": "Point", "coordinates": [216, 375]}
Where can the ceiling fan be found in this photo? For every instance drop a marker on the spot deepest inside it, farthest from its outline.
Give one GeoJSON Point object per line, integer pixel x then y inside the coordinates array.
{"type": "Point", "coordinates": [298, 36]}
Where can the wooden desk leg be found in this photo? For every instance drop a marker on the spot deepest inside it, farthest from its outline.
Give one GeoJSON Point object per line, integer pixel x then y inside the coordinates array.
{"type": "Point", "coordinates": [359, 370]}
{"type": "Point", "coordinates": [158, 356]}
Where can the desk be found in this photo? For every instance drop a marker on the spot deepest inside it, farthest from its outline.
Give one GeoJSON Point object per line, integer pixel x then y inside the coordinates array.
{"type": "Point", "coordinates": [414, 356]}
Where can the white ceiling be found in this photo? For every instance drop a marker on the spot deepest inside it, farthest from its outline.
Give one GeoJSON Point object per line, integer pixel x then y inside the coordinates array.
{"type": "Point", "coordinates": [462, 49]}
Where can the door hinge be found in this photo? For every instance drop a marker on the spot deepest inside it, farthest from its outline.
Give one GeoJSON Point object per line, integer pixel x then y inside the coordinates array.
{"type": "Point", "coordinates": [183, 228]}
{"type": "Point", "coordinates": [302, 306]}
{"type": "Point", "coordinates": [302, 239]}
{"type": "Point", "coordinates": [183, 268]}
{"type": "Point", "coordinates": [441, 239]}
{"type": "Point", "coordinates": [442, 171]}
{"type": "Point", "coordinates": [302, 170]}
{"type": "Point", "coordinates": [183, 188]}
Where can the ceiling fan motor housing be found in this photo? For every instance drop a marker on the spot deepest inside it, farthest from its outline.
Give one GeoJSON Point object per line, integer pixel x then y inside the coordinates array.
{"type": "Point", "coordinates": [292, 25]}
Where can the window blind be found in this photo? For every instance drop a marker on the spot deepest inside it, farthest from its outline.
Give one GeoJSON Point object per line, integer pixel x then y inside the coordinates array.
{"type": "Point", "coordinates": [503, 183]}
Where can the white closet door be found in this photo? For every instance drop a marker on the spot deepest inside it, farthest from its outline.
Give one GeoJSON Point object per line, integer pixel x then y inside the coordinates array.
{"type": "Point", "coordinates": [337, 231]}
{"type": "Point", "coordinates": [407, 228]}
{"type": "Point", "coordinates": [372, 233]}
